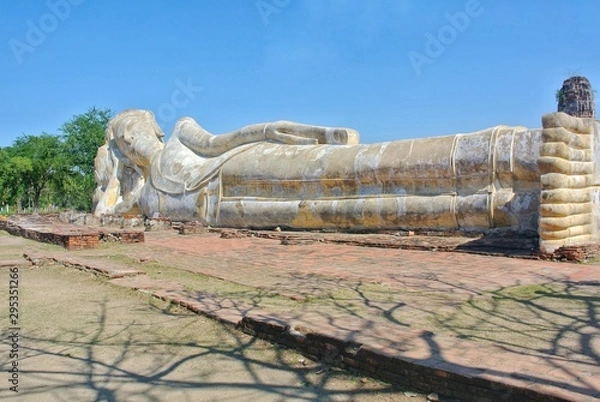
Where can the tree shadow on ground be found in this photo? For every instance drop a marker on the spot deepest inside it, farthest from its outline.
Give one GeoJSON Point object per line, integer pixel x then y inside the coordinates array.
{"type": "Point", "coordinates": [554, 324]}
{"type": "Point", "coordinates": [116, 361]}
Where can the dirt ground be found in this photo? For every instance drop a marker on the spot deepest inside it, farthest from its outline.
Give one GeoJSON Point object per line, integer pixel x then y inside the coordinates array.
{"type": "Point", "coordinates": [82, 338]}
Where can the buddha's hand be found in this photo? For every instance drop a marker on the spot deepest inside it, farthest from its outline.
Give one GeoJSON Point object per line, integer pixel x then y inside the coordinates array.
{"type": "Point", "coordinates": [341, 136]}
{"type": "Point", "coordinates": [277, 135]}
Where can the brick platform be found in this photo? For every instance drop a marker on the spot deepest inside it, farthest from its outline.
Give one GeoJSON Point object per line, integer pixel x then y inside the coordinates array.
{"type": "Point", "coordinates": [71, 237]}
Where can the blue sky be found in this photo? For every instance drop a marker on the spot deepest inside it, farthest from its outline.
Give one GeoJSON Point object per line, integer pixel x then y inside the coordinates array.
{"type": "Point", "coordinates": [392, 69]}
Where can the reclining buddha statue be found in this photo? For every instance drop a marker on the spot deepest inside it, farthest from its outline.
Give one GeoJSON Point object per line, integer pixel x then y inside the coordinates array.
{"type": "Point", "coordinates": [297, 176]}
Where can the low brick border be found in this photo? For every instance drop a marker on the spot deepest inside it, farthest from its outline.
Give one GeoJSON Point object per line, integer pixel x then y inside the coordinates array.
{"type": "Point", "coordinates": [524, 247]}
{"type": "Point", "coordinates": [110, 271]}
{"type": "Point", "coordinates": [444, 378]}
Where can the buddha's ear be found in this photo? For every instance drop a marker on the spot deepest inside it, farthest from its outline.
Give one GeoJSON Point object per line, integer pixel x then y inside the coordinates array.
{"type": "Point", "coordinates": [109, 133]}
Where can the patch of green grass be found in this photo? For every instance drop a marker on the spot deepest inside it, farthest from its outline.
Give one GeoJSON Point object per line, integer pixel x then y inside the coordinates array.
{"type": "Point", "coordinates": [525, 292]}
{"type": "Point", "coordinates": [592, 261]}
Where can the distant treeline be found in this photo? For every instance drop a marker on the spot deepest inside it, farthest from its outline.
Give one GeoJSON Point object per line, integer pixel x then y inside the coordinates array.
{"type": "Point", "coordinates": [52, 172]}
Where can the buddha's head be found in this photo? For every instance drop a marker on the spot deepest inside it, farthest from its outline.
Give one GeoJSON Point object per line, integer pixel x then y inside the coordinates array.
{"type": "Point", "coordinates": [137, 136]}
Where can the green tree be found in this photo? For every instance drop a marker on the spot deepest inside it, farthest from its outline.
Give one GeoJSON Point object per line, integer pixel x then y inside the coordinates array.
{"type": "Point", "coordinates": [37, 164]}
{"type": "Point", "coordinates": [13, 170]}
{"type": "Point", "coordinates": [19, 168]}
{"type": "Point", "coordinates": [5, 178]}
{"type": "Point", "coordinates": [59, 170]}
{"type": "Point", "coordinates": [82, 136]}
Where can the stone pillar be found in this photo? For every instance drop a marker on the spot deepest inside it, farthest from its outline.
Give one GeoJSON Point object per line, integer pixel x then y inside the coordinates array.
{"type": "Point", "coordinates": [576, 98]}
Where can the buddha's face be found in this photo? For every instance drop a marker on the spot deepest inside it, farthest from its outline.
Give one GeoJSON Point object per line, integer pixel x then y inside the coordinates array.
{"type": "Point", "coordinates": [138, 136]}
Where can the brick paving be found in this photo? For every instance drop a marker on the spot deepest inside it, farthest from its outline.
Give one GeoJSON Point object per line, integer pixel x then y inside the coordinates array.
{"type": "Point", "coordinates": [305, 270]}
{"type": "Point", "coordinates": [450, 364]}
{"type": "Point", "coordinates": [265, 263]}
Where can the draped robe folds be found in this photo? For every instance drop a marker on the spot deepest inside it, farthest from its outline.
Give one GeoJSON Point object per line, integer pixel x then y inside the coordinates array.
{"type": "Point", "coordinates": [480, 180]}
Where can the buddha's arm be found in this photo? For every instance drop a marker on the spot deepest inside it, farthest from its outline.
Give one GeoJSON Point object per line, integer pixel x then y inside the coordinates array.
{"type": "Point", "coordinates": [118, 198]}
{"type": "Point", "coordinates": [119, 183]}
{"type": "Point", "coordinates": [323, 135]}
{"type": "Point", "coordinates": [202, 142]}
{"type": "Point", "coordinates": [107, 199]}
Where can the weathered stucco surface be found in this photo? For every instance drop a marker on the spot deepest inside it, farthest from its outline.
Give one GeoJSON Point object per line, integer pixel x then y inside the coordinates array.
{"type": "Point", "coordinates": [307, 177]}
{"type": "Point", "coordinates": [570, 196]}
{"type": "Point", "coordinates": [461, 181]}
